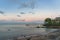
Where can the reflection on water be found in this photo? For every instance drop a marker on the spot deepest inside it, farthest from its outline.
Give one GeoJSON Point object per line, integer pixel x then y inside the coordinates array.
{"type": "Point", "coordinates": [7, 31]}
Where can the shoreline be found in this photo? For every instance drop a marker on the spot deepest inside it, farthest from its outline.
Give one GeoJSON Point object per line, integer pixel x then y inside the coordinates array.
{"type": "Point", "coordinates": [49, 36]}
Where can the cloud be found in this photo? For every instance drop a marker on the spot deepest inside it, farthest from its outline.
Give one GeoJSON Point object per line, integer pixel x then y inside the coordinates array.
{"type": "Point", "coordinates": [33, 4]}
{"type": "Point", "coordinates": [22, 13]}
{"type": "Point", "coordinates": [24, 3]}
{"type": "Point", "coordinates": [32, 12]}
{"type": "Point", "coordinates": [1, 12]}
{"type": "Point", "coordinates": [19, 20]}
{"type": "Point", "coordinates": [18, 16]}
{"type": "Point", "coordinates": [28, 4]}
{"type": "Point", "coordinates": [23, 20]}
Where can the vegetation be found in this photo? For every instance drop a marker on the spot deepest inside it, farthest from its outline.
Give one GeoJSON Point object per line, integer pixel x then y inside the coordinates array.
{"type": "Point", "coordinates": [50, 22]}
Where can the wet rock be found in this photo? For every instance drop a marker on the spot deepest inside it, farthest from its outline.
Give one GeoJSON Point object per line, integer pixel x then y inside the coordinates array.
{"type": "Point", "coordinates": [21, 38]}
{"type": "Point", "coordinates": [52, 36]}
{"type": "Point", "coordinates": [58, 38]}
{"type": "Point", "coordinates": [28, 37]}
{"type": "Point", "coordinates": [39, 37]}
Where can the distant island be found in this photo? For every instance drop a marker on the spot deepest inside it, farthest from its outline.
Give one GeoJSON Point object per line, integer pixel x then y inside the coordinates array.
{"type": "Point", "coordinates": [52, 23]}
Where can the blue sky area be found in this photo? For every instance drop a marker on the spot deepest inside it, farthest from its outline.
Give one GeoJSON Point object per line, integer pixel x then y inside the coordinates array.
{"type": "Point", "coordinates": [28, 10]}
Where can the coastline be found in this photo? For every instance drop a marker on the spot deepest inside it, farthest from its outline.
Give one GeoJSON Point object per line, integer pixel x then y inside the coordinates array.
{"type": "Point", "coordinates": [49, 36]}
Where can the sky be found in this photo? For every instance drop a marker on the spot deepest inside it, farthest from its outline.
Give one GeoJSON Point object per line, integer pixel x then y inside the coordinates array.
{"type": "Point", "coordinates": [28, 10]}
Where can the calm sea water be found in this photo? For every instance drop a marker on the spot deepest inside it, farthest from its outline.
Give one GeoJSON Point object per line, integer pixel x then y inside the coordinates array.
{"type": "Point", "coordinates": [9, 31]}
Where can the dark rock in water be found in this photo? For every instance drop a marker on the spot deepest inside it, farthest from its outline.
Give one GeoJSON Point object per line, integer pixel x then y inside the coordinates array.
{"type": "Point", "coordinates": [58, 38]}
{"type": "Point", "coordinates": [10, 39]}
{"type": "Point", "coordinates": [52, 36]}
{"type": "Point", "coordinates": [27, 24]}
{"type": "Point", "coordinates": [38, 27]}
{"type": "Point", "coordinates": [9, 29]}
{"type": "Point", "coordinates": [28, 38]}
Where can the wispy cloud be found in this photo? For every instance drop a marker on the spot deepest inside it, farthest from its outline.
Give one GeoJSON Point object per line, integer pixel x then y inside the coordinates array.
{"type": "Point", "coordinates": [18, 16]}
{"type": "Point", "coordinates": [20, 20]}
{"type": "Point", "coordinates": [28, 4]}
{"type": "Point", "coordinates": [22, 13]}
{"type": "Point", "coordinates": [1, 12]}
{"type": "Point", "coordinates": [29, 9]}
{"type": "Point", "coordinates": [32, 12]}
{"type": "Point", "coordinates": [24, 3]}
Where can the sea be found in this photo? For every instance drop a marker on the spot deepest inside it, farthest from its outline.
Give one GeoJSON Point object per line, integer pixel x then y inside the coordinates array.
{"type": "Point", "coordinates": [9, 31]}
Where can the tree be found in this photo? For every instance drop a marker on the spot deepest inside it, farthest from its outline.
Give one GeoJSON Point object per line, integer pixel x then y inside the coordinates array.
{"type": "Point", "coordinates": [48, 22]}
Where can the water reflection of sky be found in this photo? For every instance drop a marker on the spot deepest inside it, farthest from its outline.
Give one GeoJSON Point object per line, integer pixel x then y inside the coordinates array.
{"type": "Point", "coordinates": [20, 28]}
{"type": "Point", "coordinates": [7, 31]}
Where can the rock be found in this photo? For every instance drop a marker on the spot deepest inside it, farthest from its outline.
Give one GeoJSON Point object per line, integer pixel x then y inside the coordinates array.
{"type": "Point", "coordinates": [28, 37]}
{"type": "Point", "coordinates": [58, 38]}
{"type": "Point", "coordinates": [53, 35]}
{"type": "Point", "coordinates": [21, 38]}
{"type": "Point", "coordinates": [38, 37]}
{"type": "Point", "coordinates": [50, 36]}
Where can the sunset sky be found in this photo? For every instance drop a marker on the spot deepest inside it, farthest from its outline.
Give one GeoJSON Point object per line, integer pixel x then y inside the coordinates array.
{"type": "Point", "coordinates": [28, 10]}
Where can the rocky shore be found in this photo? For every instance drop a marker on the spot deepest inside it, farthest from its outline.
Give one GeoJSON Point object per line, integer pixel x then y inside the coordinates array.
{"type": "Point", "coordinates": [50, 36]}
